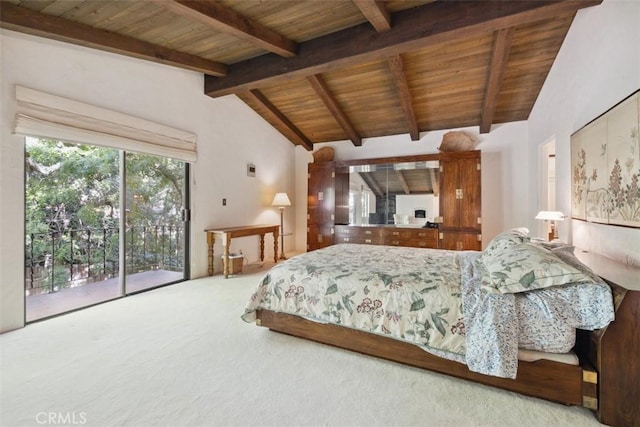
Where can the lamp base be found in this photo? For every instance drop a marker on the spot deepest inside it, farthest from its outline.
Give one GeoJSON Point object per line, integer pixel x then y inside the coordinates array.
{"type": "Point", "coordinates": [553, 233]}
{"type": "Point", "coordinates": [282, 233]}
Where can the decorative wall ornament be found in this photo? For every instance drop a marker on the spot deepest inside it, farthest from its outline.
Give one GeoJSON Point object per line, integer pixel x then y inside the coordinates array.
{"type": "Point", "coordinates": [325, 154]}
{"type": "Point", "coordinates": [458, 140]}
{"type": "Point", "coordinates": [605, 163]}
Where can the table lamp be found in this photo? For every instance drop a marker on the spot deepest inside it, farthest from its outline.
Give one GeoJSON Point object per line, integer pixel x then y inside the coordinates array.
{"type": "Point", "coordinates": [551, 216]}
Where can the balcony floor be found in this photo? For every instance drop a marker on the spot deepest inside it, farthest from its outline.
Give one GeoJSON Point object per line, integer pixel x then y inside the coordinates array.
{"type": "Point", "coordinates": [46, 305]}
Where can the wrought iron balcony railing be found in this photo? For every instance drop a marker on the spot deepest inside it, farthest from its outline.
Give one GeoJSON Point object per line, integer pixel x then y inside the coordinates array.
{"type": "Point", "coordinates": [70, 258]}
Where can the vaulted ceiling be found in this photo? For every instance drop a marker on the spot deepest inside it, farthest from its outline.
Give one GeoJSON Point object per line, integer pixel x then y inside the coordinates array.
{"type": "Point", "coordinates": [333, 70]}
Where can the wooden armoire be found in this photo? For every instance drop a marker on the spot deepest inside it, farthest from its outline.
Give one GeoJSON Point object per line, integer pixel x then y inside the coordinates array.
{"type": "Point", "coordinates": [460, 202]}
{"type": "Point", "coordinates": [327, 203]}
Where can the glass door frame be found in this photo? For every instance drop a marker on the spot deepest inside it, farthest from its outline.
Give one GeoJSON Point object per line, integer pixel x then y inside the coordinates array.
{"type": "Point", "coordinates": [120, 290]}
{"type": "Point", "coordinates": [186, 219]}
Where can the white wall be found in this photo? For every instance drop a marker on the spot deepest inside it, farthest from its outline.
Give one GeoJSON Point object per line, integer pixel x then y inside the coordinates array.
{"type": "Point", "coordinates": [406, 204]}
{"type": "Point", "coordinates": [230, 135]}
{"type": "Point", "coordinates": [598, 66]}
{"type": "Point", "coordinates": [505, 172]}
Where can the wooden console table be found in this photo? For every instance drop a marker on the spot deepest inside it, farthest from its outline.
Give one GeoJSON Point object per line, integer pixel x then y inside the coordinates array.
{"type": "Point", "coordinates": [226, 234]}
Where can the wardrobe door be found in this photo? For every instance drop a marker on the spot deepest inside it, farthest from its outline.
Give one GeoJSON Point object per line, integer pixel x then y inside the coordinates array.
{"type": "Point", "coordinates": [449, 202]}
{"type": "Point", "coordinates": [460, 202]}
{"type": "Point", "coordinates": [469, 201]}
{"type": "Point", "coordinates": [320, 205]}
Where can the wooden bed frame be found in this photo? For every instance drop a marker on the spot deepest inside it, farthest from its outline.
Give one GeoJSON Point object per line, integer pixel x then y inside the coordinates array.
{"type": "Point", "coordinates": [607, 380]}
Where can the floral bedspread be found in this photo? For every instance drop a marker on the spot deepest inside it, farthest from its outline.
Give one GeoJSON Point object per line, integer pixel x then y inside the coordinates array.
{"type": "Point", "coordinates": [414, 295]}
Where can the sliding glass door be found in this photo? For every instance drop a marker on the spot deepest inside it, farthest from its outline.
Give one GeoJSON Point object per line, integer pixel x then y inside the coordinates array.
{"type": "Point", "coordinates": [155, 230]}
{"type": "Point", "coordinates": [100, 224]}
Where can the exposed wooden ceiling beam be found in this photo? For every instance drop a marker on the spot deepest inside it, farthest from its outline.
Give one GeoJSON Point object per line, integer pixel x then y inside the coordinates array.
{"type": "Point", "coordinates": [397, 69]}
{"type": "Point", "coordinates": [499, 58]}
{"type": "Point", "coordinates": [330, 101]}
{"type": "Point", "coordinates": [28, 21]}
{"type": "Point", "coordinates": [280, 119]}
{"type": "Point", "coordinates": [371, 183]}
{"type": "Point", "coordinates": [215, 15]}
{"type": "Point", "coordinates": [376, 13]}
{"type": "Point", "coordinates": [436, 22]}
{"type": "Point", "coordinates": [403, 182]}
{"type": "Point", "coordinates": [435, 185]}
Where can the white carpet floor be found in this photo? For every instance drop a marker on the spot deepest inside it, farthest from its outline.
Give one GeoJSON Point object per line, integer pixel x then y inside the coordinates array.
{"type": "Point", "coordinates": [181, 356]}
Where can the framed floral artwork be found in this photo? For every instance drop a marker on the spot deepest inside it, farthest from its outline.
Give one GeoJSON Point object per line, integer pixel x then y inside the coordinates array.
{"type": "Point", "coordinates": [605, 163]}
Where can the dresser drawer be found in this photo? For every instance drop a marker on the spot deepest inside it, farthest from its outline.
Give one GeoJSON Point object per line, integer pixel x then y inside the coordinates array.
{"type": "Point", "coordinates": [363, 235]}
{"type": "Point", "coordinates": [411, 237]}
{"type": "Point", "coordinates": [424, 238]}
{"type": "Point", "coordinates": [425, 233]}
{"type": "Point", "coordinates": [412, 243]}
{"type": "Point", "coordinates": [342, 230]}
{"type": "Point", "coordinates": [365, 232]}
{"type": "Point", "coordinates": [357, 239]}
{"type": "Point", "coordinates": [421, 243]}
{"type": "Point", "coordinates": [391, 236]}
{"type": "Point", "coordinates": [397, 233]}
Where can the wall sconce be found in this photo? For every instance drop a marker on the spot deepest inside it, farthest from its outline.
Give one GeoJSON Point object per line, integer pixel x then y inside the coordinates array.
{"type": "Point", "coordinates": [551, 216]}
{"type": "Point", "coordinates": [281, 200]}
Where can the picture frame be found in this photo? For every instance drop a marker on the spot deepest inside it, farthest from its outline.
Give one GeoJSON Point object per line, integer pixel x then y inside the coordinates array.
{"type": "Point", "coordinates": [605, 166]}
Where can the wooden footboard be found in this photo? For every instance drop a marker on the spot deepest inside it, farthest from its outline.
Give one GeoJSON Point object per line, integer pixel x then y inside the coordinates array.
{"type": "Point", "coordinates": [545, 379]}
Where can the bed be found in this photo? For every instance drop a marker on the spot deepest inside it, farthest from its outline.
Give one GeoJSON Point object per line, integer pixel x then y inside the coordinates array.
{"type": "Point", "coordinates": [523, 315]}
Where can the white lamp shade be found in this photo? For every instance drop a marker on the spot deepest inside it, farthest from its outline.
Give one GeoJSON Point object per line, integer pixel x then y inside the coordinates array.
{"type": "Point", "coordinates": [550, 215]}
{"type": "Point", "coordinates": [281, 199]}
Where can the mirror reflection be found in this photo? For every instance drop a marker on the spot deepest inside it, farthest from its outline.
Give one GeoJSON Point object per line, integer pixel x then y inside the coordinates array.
{"type": "Point", "coordinates": [403, 194]}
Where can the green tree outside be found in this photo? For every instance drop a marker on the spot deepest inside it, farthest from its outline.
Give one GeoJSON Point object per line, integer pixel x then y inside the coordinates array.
{"type": "Point", "coordinates": [72, 210]}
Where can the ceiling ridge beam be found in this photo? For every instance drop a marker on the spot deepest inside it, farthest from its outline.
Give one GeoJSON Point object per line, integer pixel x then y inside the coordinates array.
{"type": "Point", "coordinates": [499, 59]}
{"type": "Point", "coordinates": [27, 21]}
{"type": "Point", "coordinates": [376, 13]}
{"type": "Point", "coordinates": [226, 20]}
{"type": "Point", "coordinates": [399, 77]}
{"type": "Point", "coordinates": [323, 91]}
{"type": "Point", "coordinates": [433, 23]}
{"type": "Point", "coordinates": [279, 118]}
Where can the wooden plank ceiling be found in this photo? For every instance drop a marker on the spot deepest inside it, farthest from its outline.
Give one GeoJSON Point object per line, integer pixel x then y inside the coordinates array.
{"type": "Point", "coordinates": [333, 70]}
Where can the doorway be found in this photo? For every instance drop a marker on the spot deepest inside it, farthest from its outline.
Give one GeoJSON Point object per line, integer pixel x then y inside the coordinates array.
{"type": "Point", "coordinates": [100, 224]}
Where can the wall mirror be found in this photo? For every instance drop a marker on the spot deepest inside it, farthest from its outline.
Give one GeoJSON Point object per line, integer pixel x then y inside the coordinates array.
{"type": "Point", "coordinates": [403, 193]}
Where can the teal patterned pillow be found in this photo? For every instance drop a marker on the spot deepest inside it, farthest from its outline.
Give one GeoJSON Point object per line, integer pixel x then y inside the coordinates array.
{"type": "Point", "coordinates": [506, 239]}
{"type": "Point", "coordinates": [525, 267]}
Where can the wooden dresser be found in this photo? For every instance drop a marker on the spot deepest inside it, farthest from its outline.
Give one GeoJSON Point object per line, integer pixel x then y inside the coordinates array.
{"type": "Point", "coordinates": [387, 235]}
{"type": "Point", "coordinates": [455, 181]}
